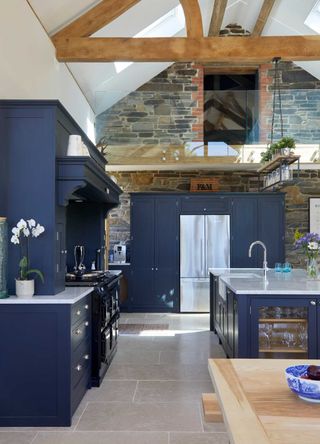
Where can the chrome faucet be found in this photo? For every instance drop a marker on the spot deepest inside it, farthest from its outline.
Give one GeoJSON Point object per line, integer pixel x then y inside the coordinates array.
{"type": "Point", "coordinates": [265, 263]}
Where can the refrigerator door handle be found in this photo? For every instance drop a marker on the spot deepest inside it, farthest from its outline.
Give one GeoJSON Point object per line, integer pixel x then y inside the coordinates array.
{"type": "Point", "coordinates": [204, 271]}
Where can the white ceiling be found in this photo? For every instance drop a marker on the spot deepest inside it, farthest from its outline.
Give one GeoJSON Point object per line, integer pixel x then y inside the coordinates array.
{"type": "Point", "coordinates": [100, 82]}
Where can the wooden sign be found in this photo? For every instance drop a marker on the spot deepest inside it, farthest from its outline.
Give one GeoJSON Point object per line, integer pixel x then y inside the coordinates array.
{"type": "Point", "coordinates": [202, 184]}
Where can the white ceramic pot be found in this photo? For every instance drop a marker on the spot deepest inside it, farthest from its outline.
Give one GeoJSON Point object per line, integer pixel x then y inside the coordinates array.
{"type": "Point", "coordinates": [74, 145]}
{"type": "Point", "coordinates": [24, 289]}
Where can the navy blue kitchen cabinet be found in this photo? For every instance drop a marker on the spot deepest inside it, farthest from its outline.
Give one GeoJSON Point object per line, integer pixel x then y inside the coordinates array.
{"type": "Point", "coordinates": [45, 368]}
{"type": "Point", "coordinates": [275, 326]}
{"type": "Point", "coordinates": [154, 253]}
{"type": "Point", "coordinates": [38, 181]}
{"type": "Point", "coordinates": [259, 217]}
{"type": "Point", "coordinates": [202, 204]}
{"type": "Point", "coordinates": [155, 238]}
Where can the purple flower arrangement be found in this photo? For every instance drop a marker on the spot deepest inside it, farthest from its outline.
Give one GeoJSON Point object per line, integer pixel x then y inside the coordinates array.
{"type": "Point", "coordinates": [308, 242]}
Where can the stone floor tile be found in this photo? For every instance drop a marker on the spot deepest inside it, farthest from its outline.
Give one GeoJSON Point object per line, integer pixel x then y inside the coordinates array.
{"type": "Point", "coordinates": [141, 417]}
{"type": "Point", "coordinates": [124, 356]}
{"type": "Point", "coordinates": [101, 438]}
{"type": "Point", "coordinates": [112, 391]}
{"type": "Point", "coordinates": [198, 438]}
{"type": "Point", "coordinates": [16, 437]}
{"type": "Point", "coordinates": [160, 372]}
{"type": "Point", "coordinates": [171, 391]}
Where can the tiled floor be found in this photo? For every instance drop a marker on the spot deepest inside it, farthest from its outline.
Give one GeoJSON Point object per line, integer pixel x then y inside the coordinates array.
{"type": "Point", "coordinates": [151, 394]}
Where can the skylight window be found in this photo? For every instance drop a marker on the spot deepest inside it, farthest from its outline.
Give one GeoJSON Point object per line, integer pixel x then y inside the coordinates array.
{"type": "Point", "coordinates": [313, 19]}
{"type": "Point", "coordinates": [166, 26]}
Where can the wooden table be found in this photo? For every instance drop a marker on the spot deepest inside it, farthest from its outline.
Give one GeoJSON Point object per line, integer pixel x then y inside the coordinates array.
{"type": "Point", "coordinates": [257, 405]}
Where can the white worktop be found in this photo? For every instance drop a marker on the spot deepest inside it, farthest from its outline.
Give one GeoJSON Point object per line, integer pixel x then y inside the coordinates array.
{"type": "Point", "coordinates": [295, 282]}
{"type": "Point", "coordinates": [70, 295]}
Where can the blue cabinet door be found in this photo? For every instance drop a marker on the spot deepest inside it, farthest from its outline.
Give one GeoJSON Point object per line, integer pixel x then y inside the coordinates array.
{"type": "Point", "coordinates": [142, 232]}
{"type": "Point", "coordinates": [142, 296]}
{"type": "Point", "coordinates": [244, 231]}
{"type": "Point", "coordinates": [271, 229]}
{"type": "Point", "coordinates": [284, 327]}
{"type": "Point", "coordinates": [166, 253]}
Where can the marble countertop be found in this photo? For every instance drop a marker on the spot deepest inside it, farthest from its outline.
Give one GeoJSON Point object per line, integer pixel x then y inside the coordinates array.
{"type": "Point", "coordinates": [70, 295]}
{"type": "Point", "coordinates": [293, 283]}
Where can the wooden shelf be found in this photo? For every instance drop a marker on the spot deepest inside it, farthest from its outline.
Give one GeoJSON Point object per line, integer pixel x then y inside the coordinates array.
{"type": "Point", "coordinates": [283, 350]}
{"type": "Point", "coordinates": [282, 321]}
{"type": "Point", "coordinates": [279, 184]}
{"type": "Point", "coordinates": [278, 161]}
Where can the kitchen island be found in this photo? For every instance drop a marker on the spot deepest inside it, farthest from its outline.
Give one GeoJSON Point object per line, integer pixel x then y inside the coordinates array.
{"type": "Point", "coordinates": [276, 317]}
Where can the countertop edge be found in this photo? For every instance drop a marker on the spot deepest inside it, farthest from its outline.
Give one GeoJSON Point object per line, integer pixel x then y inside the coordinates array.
{"type": "Point", "coordinates": [69, 296]}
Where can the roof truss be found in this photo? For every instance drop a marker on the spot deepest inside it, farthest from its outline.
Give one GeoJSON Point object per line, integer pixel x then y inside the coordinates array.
{"type": "Point", "coordinates": [217, 17]}
{"type": "Point", "coordinates": [263, 17]}
{"type": "Point", "coordinates": [74, 45]}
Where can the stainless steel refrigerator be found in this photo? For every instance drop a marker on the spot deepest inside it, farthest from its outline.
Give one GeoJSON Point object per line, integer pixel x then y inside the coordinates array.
{"type": "Point", "coordinates": [204, 244]}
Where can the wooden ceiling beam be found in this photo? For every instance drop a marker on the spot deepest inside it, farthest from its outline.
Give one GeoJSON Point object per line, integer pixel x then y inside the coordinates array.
{"type": "Point", "coordinates": [193, 18]}
{"type": "Point", "coordinates": [96, 18]}
{"type": "Point", "coordinates": [227, 69]}
{"type": "Point", "coordinates": [208, 49]}
{"type": "Point", "coordinates": [217, 17]}
{"type": "Point", "coordinates": [263, 17]}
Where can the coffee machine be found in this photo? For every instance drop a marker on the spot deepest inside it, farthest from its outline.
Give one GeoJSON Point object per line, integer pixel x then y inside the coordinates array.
{"type": "Point", "coordinates": [119, 253]}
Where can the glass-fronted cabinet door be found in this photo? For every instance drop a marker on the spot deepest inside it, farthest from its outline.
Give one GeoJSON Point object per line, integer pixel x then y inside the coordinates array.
{"type": "Point", "coordinates": [284, 327]}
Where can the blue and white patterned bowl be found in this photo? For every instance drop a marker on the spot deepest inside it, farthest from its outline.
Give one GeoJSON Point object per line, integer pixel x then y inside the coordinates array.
{"type": "Point", "coordinates": [306, 389]}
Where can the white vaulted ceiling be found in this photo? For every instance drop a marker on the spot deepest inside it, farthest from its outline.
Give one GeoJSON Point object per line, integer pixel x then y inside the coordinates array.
{"type": "Point", "coordinates": [103, 85]}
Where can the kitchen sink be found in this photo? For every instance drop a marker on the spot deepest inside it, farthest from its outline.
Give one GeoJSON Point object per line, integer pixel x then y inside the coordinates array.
{"type": "Point", "coordinates": [243, 275]}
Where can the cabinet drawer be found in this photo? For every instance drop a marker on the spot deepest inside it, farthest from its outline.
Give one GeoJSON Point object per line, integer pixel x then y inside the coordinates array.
{"type": "Point", "coordinates": [80, 363]}
{"type": "Point", "coordinates": [81, 309]}
{"type": "Point", "coordinates": [198, 205]}
{"type": "Point", "coordinates": [79, 391]}
{"type": "Point", "coordinates": [80, 331]}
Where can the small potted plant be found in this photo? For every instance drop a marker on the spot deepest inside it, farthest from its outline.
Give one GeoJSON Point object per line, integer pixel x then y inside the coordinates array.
{"type": "Point", "coordinates": [287, 145]}
{"type": "Point", "coordinates": [21, 234]}
{"type": "Point", "coordinates": [310, 245]}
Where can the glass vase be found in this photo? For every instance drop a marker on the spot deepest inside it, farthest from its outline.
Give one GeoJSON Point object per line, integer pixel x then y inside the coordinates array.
{"type": "Point", "coordinates": [3, 257]}
{"type": "Point", "coordinates": [312, 268]}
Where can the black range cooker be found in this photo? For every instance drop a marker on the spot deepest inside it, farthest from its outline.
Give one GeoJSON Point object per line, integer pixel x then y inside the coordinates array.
{"type": "Point", "coordinates": [105, 317]}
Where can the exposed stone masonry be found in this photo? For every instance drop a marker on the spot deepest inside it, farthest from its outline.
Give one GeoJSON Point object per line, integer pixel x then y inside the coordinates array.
{"type": "Point", "coordinates": [300, 103]}
{"type": "Point", "coordinates": [166, 110]}
{"type": "Point", "coordinates": [234, 30]}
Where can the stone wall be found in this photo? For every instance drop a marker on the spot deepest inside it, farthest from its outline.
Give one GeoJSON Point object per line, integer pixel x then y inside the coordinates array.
{"type": "Point", "coordinates": [300, 99]}
{"type": "Point", "coordinates": [297, 211]}
{"type": "Point", "coordinates": [167, 109]}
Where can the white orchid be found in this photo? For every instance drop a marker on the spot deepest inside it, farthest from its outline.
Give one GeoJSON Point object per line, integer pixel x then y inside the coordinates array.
{"type": "Point", "coordinates": [15, 239]}
{"type": "Point", "coordinates": [26, 232]}
{"type": "Point", "coordinates": [31, 223]}
{"type": "Point", "coordinates": [37, 230]}
{"type": "Point", "coordinates": [22, 224]}
{"type": "Point", "coordinates": [16, 231]}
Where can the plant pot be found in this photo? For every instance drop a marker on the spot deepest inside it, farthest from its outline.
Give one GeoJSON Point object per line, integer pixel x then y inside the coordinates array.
{"type": "Point", "coordinates": [312, 268]}
{"type": "Point", "coordinates": [24, 289]}
{"type": "Point", "coordinates": [286, 151]}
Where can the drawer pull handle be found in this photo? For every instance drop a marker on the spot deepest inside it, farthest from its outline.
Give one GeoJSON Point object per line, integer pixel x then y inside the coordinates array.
{"type": "Point", "coordinates": [79, 368]}
{"type": "Point", "coordinates": [78, 331]}
{"type": "Point", "coordinates": [86, 357]}
{"type": "Point", "coordinates": [86, 324]}
{"type": "Point", "coordinates": [79, 312]}
{"type": "Point", "coordinates": [86, 307]}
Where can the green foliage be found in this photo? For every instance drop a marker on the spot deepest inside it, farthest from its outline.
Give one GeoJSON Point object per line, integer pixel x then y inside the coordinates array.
{"type": "Point", "coordinates": [25, 272]}
{"type": "Point", "coordinates": [274, 148]}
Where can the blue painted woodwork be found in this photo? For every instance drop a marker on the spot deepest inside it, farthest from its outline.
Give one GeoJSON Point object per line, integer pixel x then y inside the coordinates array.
{"type": "Point", "coordinates": [154, 253]}
{"type": "Point", "coordinates": [125, 285]}
{"type": "Point", "coordinates": [39, 381]}
{"type": "Point", "coordinates": [155, 238]}
{"type": "Point", "coordinates": [37, 180]}
{"type": "Point", "coordinates": [236, 319]}
{"type": "Point", "coordinates": [254, 217]}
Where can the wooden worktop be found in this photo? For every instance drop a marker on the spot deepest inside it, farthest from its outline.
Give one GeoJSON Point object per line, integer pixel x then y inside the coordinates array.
{"type": "Point", "coordinates": [257, 405]}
